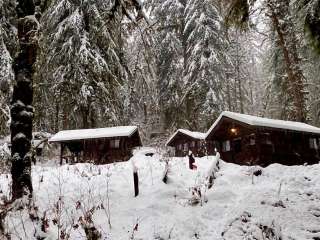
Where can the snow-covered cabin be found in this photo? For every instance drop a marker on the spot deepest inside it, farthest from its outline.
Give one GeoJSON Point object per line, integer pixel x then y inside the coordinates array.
{"type": "Point", "coordinates": [246, 139]}
{"type": "Point", "coordinates": [99, 145]}
{"type": "Point", "coordinates": [184, 141]}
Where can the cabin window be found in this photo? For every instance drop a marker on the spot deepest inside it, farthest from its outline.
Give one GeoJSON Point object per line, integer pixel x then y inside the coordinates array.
{"type": "Point", "coordinates": [252, 140]}
{"type": "Point", "coordinates": [115, 143]}
{"type": "Point", "coordinates": [226, 146]}
{"type": "Point", "coordinates": [185, 147]}
{"type": "Point", "coordinates": [193, 144]}
{"type": "Point", "coordinates": [180, 147]}
{"type": "Point", "coordinates": [313, 143]}
{"type": "Point", "coordinates": [216, 145]}
{"type": "Point", "coordinates": [266, 138]}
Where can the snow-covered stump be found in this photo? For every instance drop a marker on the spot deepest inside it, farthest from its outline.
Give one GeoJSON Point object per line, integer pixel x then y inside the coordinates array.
{"type": "Point", "coordinates": [214, 168]}
{"type": "Point", "coordinates": [191, 160]}
{"type": "Point", "coordinates": [165, 173]}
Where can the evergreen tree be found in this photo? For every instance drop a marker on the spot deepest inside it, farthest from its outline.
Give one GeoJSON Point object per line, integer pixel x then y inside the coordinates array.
{"type": "Point", "coordinates": [281, 22]}
{"type": "Point", "coordinates": [8, 47]}
{"type": "Point", "coordinates": [81, 62]}
{"type": "Point", "coordinates": [171, 52]}
{"type": "Point", "coordinates": [206, 63]}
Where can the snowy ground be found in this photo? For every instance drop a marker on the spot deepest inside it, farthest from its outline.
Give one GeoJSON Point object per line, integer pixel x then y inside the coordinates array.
{"type": "Point", "coordinates": [283, 201]}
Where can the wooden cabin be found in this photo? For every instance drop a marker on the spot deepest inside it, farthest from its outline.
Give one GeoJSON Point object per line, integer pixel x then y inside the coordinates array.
{"type": "Point", "coordinates": [184, 141]}
{"type": "Point", "coordinates": [100, 145]}
{"type": "Point", "coordinates": [250, 140]}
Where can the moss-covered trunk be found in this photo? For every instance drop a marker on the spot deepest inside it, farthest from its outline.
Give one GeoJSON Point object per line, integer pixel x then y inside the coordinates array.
{"type": "Point", "coordinates": [21, 104]}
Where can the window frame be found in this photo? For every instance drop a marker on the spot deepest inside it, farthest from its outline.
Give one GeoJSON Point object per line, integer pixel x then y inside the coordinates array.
{"type": "Point", "coordinates": [313, 144]}
{"type": "Point", "coordinates": [226, 146]}
{"type": "Point", "coordinates": [185, 147]}
{"type": "Point", "coordinates": [115, 143]}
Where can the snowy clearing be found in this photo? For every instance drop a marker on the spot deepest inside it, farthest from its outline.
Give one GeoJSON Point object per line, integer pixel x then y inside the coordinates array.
{"type": "Point", "coordinates": [281, 202]}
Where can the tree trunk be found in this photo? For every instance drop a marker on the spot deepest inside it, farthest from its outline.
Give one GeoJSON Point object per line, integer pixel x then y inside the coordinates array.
{"type": "Point", "coordinates": [21, 105]}
{"type": "Point", "coordinates": [238, 77]}
{"type": "Point", "coordinates": [288, 42]}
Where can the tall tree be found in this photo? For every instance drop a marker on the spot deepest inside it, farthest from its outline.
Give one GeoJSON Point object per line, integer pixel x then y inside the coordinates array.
{"type": "Point", "coordinates": [281, 22]}
{"type": "Point", "coordinates": [77, 53]}
{"type": "Point", "coordinates": [8, 48]}
{"type": "Point", "coordinates": [190, 44]}
{"type": "Point", "coordinates": [206, 62]}
{"type": "Point", "coordinates": [82, 74]}
{"type": "Point", "coordinates": [171, 57]}
{"type": "Point", "coordinates": [28, 14]}
{"type": "Point", "coordinates": [239, 14]}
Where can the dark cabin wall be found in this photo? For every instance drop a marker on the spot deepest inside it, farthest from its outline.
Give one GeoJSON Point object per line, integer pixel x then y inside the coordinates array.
{"type": "Point", "coordinates": [99, 151]}
{"type": "Point", "coordinates": [270, 145]}
{"type": "Point", "coordinates": [199, 149]}
{"type": "Point", "coordinates": [247, 154]}
{"type": "Point", "coordinates": [287, 147]}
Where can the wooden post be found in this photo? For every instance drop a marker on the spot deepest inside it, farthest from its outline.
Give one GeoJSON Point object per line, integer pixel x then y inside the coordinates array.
{"type": "Point", "coordinates": [135, 178]}
{"type": "Point", "coordinates": [61, 152]}
{"type": "Point", "coordinates": [136, 183]}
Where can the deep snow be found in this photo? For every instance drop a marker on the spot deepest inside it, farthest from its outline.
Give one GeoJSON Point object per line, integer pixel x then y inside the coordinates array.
{"type": "Point", "coordinates": [283, 200]}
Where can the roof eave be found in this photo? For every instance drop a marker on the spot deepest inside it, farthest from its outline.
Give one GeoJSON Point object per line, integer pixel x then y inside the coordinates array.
{"type": "Point", "coordinates": [252, 124]}
{"type": "Point", "coordinates": [78, 139]}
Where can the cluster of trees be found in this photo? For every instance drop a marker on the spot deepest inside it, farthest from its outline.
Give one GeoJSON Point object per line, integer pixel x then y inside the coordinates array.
{"type": "Point", "coordinates": [291, 55]}
{"type": "Point", "coordinates": [177, 64]}
{"type": "Point", "coordinates": [177, 67]}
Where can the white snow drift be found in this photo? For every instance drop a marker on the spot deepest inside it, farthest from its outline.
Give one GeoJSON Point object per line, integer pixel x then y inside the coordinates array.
{"type": "Point", "coordinates": [281, 202]}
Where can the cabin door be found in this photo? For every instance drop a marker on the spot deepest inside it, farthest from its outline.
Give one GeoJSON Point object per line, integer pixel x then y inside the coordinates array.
{"type": "Point", "coordinates": [236, 149]}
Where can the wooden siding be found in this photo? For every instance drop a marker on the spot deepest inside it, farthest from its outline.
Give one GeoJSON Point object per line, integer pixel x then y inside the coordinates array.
{"type": "Point", "coordinates": [197, 146]}
{"type": "Point", "coordinates": [100, 151]}
{"type": "Point", "coordinates": [251, 145]}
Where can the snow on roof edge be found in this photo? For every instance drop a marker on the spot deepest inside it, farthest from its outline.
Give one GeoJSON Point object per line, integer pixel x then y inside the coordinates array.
{"type": "Point", "coordinates": [79, 134]}
{"type": "Point", "coordinates": [189, 133]}
{"type": "Point", "coordinates": [265, 122]}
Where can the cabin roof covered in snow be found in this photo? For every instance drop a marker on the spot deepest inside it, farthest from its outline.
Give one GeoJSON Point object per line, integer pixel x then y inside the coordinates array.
{"type": "Point", "coordinates": [265, 122]}
{"type": "Point", "coordinates": [195, 135]}
{"type": "Point", "coordinates": [38, 143]}
{"type": "Point", "coordinates": [79, 134]}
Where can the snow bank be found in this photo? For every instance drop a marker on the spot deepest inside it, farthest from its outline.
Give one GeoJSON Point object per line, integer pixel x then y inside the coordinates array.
{"type": "Point", "coordinates": [284, 200]}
